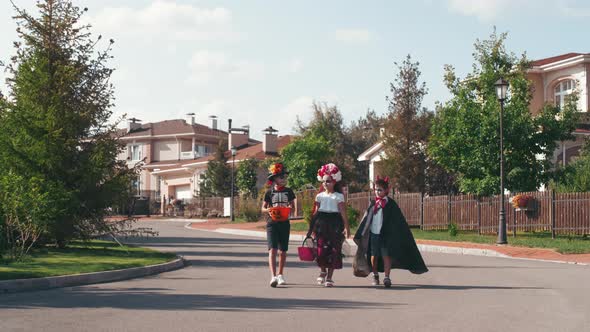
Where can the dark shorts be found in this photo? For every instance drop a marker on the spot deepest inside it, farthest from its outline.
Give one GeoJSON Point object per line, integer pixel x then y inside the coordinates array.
{"type": "Point", "coordinates": [277, 235]}
{"type": "Point", "coordinates": [377, 248]}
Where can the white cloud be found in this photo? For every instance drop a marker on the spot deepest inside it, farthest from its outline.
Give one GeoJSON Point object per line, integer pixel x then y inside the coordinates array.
{"type": "Point", "coordinates": [205, 65]}
{"type": "Point", "coordinates": [488, 10]}
{"type": "Point", "coordinates": [484, 10]}
{"type": "Point", "coordinates": [353, 35]}
{"type": "Point", "coordinates": [572, 10]}
{"type": "Point", "coordinates": [164, 19]}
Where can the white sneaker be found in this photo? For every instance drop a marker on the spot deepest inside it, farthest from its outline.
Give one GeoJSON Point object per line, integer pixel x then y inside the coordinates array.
{"type": "Point", "coordinates": [322, 278]}
{"type": "Point", "coordinates": [273, 282]}
{"type": "Point", "coordinates": [281, 280]}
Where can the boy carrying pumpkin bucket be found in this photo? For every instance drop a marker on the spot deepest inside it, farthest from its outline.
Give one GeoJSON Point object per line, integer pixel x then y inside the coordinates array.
{"type": "Point", "coordinates": [278, 201]}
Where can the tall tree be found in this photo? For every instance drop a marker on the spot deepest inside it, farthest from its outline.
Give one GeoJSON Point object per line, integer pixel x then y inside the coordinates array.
{"type": "Point", "coordinates": [247, 177]}
{"type": "Point", "coordinates": [407, 129]}
{"type": "Point", "coordinates": [303, 157]}
{"type": "Point", "coordinates": [327, 126]}
{"type": "Point", "coordinates": [465, 133]}
{"type": "Point", "coordinates": [216, 181]}
{"type": "Point", "coordinates": [55, 120]}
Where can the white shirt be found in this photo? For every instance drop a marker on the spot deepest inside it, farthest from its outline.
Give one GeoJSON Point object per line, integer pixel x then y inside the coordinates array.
{"type": "Point", "coordinates": [329, 201]}
{"type": "Point", "coordinates": [377, 220]}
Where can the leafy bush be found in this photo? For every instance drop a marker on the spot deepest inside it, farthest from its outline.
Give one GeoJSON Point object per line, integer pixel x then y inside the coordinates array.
{"type": "Point", "coordinates": [453, 229]}
{"type": "Point", "coordinates": [575, 177]}
{"type": "Point", "coordinates": [353, 216]}
{"type": "Point", "coordinates": [250, 209]}
{"type": "Point", "coordinates": [307, 202]}
{"type": "Point", "coordinates": [27, 206]}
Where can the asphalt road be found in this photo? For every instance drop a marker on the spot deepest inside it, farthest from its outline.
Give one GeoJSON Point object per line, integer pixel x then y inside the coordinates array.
{"type": "Point", "coordinates": [226, 289]}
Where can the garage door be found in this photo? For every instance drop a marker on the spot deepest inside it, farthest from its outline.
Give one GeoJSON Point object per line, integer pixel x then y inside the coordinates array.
{"type": "Point", "coordinates": [183, 192]}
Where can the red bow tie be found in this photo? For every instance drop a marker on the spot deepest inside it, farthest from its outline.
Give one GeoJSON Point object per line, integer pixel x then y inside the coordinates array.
{"type": "Point", "coordinates": [379, 203]}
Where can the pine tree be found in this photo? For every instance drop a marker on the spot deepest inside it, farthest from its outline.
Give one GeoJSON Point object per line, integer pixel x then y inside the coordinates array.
{"type": "Point", "coordinates": [55, 119]}
{"type": "Point", "coordinates": [407, 129]}
{"type": "Point", "coordinates": [216, 181]}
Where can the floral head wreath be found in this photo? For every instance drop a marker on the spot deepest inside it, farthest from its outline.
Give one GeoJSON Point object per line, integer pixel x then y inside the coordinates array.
{"type": "Point", "coordinates": [329, 171]}
{"type": "Point", "coordinates": [275, 170]}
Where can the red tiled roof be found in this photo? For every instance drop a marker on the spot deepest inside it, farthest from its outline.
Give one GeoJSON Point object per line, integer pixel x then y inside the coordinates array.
{"type": "Point", "coordinates": [255, 151]}
{"type": "Point", "coordinates": [171, 127]}
{"type": "Point", "coordinates": [552, 59]}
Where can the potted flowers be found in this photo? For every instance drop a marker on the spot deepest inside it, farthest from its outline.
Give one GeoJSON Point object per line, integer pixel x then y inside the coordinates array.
{"type": "Point", "coordinates": [522, 202]}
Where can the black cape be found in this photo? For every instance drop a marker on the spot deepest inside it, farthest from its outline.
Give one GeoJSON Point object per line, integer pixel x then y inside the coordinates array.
{"type": "Point", "coordinates": [395, 236]}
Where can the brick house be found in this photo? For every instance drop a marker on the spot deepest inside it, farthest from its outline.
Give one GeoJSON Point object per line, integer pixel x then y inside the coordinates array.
{"type": "Point", "coordinates": [175, 153]}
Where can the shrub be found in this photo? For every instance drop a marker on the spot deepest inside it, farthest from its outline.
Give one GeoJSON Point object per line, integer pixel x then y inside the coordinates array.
{"type": "Point", "coordinates": [250, 209]}
{"type": "Point", "coordinates": [353, 216]}
{"type": "Point", "coordinates": [307, 202]}
{"type": "Point", "coordinates": [453, 229]}
{"type": "Point", "coordinates": [26, 207]}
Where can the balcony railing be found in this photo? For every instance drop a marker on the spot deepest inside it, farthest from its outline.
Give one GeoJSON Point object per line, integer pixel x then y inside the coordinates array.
{"type": "Point", "coordinates": [192, 155]}
{"type": "Point", "coordinates": [189, 155]}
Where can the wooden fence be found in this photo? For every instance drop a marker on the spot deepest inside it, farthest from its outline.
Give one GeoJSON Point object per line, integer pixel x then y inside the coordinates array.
{"type": "Point", "coordinates": [560, 214]}
{"type": "Point", "coordinates": [551, 212]}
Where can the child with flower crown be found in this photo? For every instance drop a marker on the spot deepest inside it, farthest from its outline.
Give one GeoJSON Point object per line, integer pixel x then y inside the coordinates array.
{"type": "Point", "coordinates": [329, 223]}
{"type": "Point", "coordinates": [385, 237]}
{"type": "Point", "coordinates": [277, 230]}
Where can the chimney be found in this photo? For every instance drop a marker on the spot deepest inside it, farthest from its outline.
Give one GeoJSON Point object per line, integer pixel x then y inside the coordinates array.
{"type": "Point", "coordinates": [269, 143]}
{"type": "Point", "coordinates": [237, 136]}
{"type": "Point", "coordinates": [190, 118]}
{"type": "Point", "coordinates": [133, 124]}
{"type": "Point", "coordinates": [213, 122]}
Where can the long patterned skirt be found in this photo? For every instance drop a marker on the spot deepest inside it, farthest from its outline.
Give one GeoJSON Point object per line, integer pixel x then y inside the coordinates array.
{"type": "Point", "coordinates": [328, 228]}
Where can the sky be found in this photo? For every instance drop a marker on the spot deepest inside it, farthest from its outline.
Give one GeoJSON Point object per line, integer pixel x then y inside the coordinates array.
{"type": "Point", "coordinates": [263, 63]}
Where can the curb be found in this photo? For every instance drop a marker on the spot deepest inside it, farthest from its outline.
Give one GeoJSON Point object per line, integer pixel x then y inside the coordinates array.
{"type": "Point", "coordinates": [33, 284]}
{"type": "Point", "coordinates": [350, 249]}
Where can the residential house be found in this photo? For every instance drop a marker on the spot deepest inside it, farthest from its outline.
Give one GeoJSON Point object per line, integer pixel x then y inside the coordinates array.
{"type": "Point", "coordinates": [553, 79]}
{"type": "Point", "coordinates": [164, 144]}
{"type": "Point", "coordinates": [187, 173]}
{"type": "Point", "coordinates": [175, 154]}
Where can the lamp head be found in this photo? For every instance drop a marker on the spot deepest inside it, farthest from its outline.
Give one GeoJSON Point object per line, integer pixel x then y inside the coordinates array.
{"type": "Point", "coordinates": [501, 89]}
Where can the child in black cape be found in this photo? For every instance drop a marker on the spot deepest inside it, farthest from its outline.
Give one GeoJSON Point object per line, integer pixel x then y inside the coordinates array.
{"type": "Point", "coordinates": [384, 237]}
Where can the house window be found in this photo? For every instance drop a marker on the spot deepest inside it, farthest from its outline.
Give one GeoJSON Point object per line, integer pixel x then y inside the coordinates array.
{"type": "Point", "coordinates": [136, 186]}
{"type": "Point", "coordinates": [561, 90]}
{"type": "Point", "coordinates": [203, 150]}
{"type": "Point", "coordinates": [135, 151]}
{"type": "Point", "coordinates": [158, 186]}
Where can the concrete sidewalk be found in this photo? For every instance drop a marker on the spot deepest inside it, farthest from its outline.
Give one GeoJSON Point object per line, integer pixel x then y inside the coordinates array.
{"type": "Point", "coordinates": [257, 229]}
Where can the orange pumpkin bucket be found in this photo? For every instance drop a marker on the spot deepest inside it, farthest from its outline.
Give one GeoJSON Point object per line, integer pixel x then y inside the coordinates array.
{"type": "Point", "coordinates": [279, 213]}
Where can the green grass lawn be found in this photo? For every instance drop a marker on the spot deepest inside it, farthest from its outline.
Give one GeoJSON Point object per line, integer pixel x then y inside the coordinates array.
{"type": "Point", "coordinates": [81, 257]}
{"type": "Point", "coordinates": [564, 245]}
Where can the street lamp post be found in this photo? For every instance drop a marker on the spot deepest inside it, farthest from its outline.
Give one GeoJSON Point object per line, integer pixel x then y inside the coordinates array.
{"type": "Point", "coordinates": [231, 203]}
{"type": "Point", "coordinates": [501, 89]}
